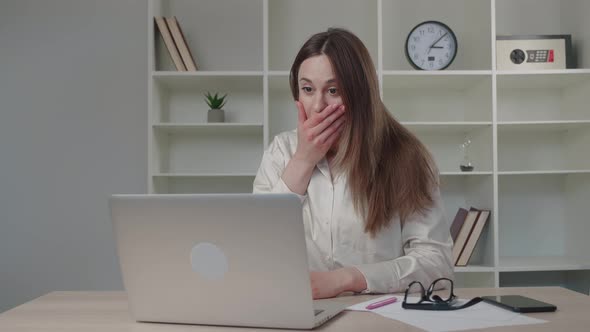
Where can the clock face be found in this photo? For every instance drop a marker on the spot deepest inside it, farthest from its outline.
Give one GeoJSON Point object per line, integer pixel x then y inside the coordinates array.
{"type": "Point", "coordinates": [431, 45]}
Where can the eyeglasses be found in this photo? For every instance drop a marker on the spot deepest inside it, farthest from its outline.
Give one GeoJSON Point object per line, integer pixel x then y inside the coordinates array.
{"type": "Point", "coordinates": [443, 300]}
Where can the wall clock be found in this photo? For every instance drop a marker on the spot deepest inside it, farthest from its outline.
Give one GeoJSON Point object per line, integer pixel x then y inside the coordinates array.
{"type": "Point", "coordinates": [431, 45]}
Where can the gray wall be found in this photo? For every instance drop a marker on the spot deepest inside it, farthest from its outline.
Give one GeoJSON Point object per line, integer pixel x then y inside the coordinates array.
{"type": "Point", "coordinates": [73, 130]}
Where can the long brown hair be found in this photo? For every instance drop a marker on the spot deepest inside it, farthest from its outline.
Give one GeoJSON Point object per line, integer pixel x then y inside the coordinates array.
{"type": "Point", "coordinates": [390, 172]}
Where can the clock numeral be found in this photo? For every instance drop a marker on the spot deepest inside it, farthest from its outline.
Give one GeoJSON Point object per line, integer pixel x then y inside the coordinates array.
{"type": "Point", "coordinates": [440, 62]}
{"type": "Point", "coordinates": [440, 32]}
{"type": "Point", "coordinates": [416, 56]}
{"type": "Point", "coordinates": [446, 38]}
{"type": "Point", "coordinates": [413, 47]}
{"type": "Point", "coordinates": [422, 63]}
{"type": "Point", "coordinates": [416, 39]}
{"type": "Point", "coordinates": [430, 29]}
{"type": "Point", "coordinates": [430, 63]}
{"type": "Point", "coordinates": [421, 32]}
{"type": "Point", "coordinates": [447, 54]}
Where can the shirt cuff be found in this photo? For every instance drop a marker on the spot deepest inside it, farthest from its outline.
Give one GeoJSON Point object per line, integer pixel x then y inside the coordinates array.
{"type": "Point", "coordinates": [281, 188]}
{"type": "Point", "coordinates": [374, 276]}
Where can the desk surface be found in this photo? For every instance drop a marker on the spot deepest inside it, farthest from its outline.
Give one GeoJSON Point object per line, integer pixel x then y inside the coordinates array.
{"type": "Point", "coordinates": [107, 311]}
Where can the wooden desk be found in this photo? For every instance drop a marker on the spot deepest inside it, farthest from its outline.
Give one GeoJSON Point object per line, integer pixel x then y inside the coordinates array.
{"type": "Point", "coordinates": [107, 311]}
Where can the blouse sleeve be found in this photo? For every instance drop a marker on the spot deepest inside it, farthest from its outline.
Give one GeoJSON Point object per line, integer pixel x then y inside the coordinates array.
{"type": "Point", "coordinates": [268, 179]}
{"type": "Point", "coordinates": [427, 246]}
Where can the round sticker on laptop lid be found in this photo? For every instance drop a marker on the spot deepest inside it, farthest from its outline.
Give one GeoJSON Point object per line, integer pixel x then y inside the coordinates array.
{"type": "Point", "coordinates": [208, 261]}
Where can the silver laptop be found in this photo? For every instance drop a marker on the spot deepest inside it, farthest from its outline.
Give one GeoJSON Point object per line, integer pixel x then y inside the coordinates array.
{"type": "Point", "coordinates": [217, 259]}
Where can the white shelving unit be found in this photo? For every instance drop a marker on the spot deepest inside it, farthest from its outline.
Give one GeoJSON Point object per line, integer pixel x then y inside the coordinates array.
{"type": "Point", "coordinates": [530, 131]}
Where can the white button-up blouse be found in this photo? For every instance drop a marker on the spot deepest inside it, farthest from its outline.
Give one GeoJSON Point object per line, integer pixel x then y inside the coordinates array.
{"type": "Point", "coordinates": [420, 250]}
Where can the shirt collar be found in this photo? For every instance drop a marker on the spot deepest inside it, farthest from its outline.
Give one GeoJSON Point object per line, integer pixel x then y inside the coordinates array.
{"type": "Point", "coordinates": [323, 166]}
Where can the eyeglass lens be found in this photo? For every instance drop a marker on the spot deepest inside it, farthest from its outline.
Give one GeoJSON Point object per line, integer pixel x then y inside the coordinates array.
{"type": "Point", "coordinates": [415, 292]}
{"type": "Point", "coordinates": [442, 291]}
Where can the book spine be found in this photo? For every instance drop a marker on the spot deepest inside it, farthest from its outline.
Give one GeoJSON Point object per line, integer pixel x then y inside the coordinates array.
{"type": "Point", "coordinates": [181, 43]}
{"type": "Point", "coordinates": [473, 238]}
{"type": "Point", "coordinates": [172, 50]}
{"type": "Point", "coordinates": [464, 234]}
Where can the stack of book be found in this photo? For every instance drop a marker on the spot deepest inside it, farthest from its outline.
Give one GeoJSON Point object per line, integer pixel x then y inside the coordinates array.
{"type": "Point", "coordinates": [176, 43]}
{"type": "Point", "coordinates": [466, 230]}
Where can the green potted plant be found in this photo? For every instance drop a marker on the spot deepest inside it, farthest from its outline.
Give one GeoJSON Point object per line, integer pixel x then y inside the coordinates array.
{"type": "Point", "coordinates": [216, 103]}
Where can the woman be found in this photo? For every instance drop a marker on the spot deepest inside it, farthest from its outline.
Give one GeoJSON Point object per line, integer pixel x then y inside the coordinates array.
{"type": "Point", "coordinates": [372, 210]}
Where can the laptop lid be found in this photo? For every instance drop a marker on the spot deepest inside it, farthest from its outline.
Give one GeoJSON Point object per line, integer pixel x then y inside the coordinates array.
{"type": "Point", "coordinates": [219, 259]}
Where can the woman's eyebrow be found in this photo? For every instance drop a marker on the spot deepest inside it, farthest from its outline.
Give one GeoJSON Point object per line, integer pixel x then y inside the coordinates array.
{"type": "Point", "coordinates": [332, 80]}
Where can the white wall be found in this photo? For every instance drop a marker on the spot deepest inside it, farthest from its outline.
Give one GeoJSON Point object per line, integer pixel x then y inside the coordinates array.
{"type": "Point", "coordinates": [73, 130]}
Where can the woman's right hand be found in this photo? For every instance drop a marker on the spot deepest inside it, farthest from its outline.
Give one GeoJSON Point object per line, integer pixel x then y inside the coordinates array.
{"type": "Point", "coordinates": [318, 133]}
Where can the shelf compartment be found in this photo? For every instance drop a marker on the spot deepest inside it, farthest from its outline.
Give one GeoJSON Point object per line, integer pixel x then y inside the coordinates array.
{"type": "Point", "coordinates": [544, 146]}
{"type": "Point", "coordinates": [558, 96]}
{"type": "Point", "coordinates": [469, 19]}
{"type": "Point", "coordinates": [567, 79]}
{"type": "Point", "coordinates": [444, 142]}
{"type": "Point", "coordinates": [543, 215]}
{"type": "Point", "coordinates": [238, 46]}
{"type": "Point", "coordinates": [451, 97]}
{"type": "Point", "coordinates": [466, 192]}
{"type": "Point", "coordinates": [287, 31]}
{"type": "Point", "coordinates": [209, 153]}
{"type": "Point", "coordinates": [190, 184]}
{"type": "Point", "coordinates": [576, 280]}
{"type": "Point", "coordinates": [180, 98]}
{"type": "Point", "coordinates": [548, 17]}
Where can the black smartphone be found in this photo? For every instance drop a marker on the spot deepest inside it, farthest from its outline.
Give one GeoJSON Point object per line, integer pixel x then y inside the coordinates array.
{"type": "Point", "coordinates": [519, 303]}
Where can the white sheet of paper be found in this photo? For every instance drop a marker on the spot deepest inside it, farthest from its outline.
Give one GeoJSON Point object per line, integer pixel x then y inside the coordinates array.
{"type": "Point", "coordinates": [479, 316]}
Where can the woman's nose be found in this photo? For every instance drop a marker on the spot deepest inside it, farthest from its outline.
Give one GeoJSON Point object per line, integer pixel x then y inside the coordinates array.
{"type": "Point", "coordinates": [318, 103]}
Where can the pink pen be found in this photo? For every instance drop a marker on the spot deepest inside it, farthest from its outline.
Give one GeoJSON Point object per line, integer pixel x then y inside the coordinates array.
{"type": "Point", "coordinates": [381, 303]}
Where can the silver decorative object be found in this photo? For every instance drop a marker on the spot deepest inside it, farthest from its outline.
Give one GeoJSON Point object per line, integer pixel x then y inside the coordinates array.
{"type": "Point", "coordinates": [466, 165]}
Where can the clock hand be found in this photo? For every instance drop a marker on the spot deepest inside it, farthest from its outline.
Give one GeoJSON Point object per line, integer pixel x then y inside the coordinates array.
{"type": "Point", "coordinates": [431, 47]}
{"type": "Point", "coordinates": [441, 37]}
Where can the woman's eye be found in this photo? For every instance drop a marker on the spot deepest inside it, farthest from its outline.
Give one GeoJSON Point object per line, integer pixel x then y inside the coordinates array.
{"type": "Point", "coordinates": [306, 89]}
{"type": "Point", "coordinates": [332, 91]}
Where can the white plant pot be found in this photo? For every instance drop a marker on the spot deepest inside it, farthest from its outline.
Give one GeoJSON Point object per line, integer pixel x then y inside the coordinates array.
{"type": "Point", "coordinates": [215, 115]}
